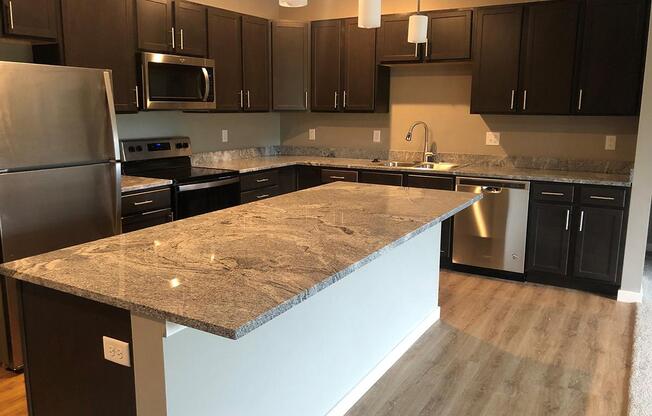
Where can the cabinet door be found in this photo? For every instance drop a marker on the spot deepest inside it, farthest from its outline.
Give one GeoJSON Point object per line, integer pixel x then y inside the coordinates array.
{"type": "Point", "coordinates": [449, 35]}
{"type": "Point", "coordinates": [598, 247]}
{"type": "Point", "coordinates": [549, 57]}
{"type": "Point", "coordinates": [36, 18]}
{"type": "Point", "coordinates": [392, 40]}
{"type": "Point", "coordinates": [326, 58]}
{"type": "Point", "coordinates": [225, 47]}
{"type": "Point", "coordinates": [255, 62]}
{"type": "Point", "coordinates": [155, 31]}
{"type": "Point", "coordinates": [85, 28]}
{"type": "Point", "coordinates": [359, 67]}
{"type": "Point", "coordinates": [382, 178]}
{"type": "Point", "coordinates": [308, 177]}
{"type": "Point", "coordinates": [549, 238]}
{"type": "Point", "coordinates": [190, 25]}
{"type": "Point", "coordinates": [497, 41]}
{"type": "Point", "coordinates": [610, 74]}
{"type": "Point", "coordinates": [290, 52]}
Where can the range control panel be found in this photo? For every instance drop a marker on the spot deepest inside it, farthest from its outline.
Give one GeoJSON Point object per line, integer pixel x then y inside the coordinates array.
{"type": "Point", "coordinates": [157, 148]}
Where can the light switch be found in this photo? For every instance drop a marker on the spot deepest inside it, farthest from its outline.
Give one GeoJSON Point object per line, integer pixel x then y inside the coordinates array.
{"type": "Point", "coordinates": [376, 136]}
{"type": "Point", "coordinates": [225, 136]}
{"type": "Point", "coordinates": [493, 138]}
{"type": "Point", "coordinates": [610, 143]}
{"type": "Point", "coordinates": [312, 135]}
{"type": "Point", "coordinates": [116, 351]}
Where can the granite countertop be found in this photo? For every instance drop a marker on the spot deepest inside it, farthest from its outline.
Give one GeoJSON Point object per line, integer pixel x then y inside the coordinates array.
{"type": "Point", "coordinates": [271, 162]}
{"type": "Point", "coordinates": [137, 183]}
{"type": "Point", "coordinates": [230, 271]}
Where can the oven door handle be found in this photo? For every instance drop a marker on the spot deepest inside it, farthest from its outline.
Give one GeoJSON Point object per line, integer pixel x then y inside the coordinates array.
{"type": "Point", "coordinates": [207, 81]}
{"type": "Point", "coordinates": [208, 185]}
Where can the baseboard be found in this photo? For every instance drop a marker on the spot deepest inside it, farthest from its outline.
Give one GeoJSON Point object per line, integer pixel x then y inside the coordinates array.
{"type": "Point", "coordinates": [374, 375]}
{"type": "Point", "coordinates": [626, 296]}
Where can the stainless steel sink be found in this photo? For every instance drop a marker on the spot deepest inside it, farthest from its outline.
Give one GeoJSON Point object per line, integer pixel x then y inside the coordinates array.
{"type": "Point", "coordinates": [439, 166]}
{"type": "Point", "coordinates": [400, 164]}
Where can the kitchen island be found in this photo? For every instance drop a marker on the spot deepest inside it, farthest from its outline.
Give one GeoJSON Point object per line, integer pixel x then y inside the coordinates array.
{"type": "Point", "coordinates": [293, 305]}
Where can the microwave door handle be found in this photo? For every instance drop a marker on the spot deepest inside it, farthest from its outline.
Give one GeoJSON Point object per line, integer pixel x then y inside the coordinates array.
{"type": "Point", "coordinates": [207, 81]}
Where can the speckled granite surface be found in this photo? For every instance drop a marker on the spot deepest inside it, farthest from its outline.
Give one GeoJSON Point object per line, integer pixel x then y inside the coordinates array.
{"type": "Point", "coordinates": [230, 271]}
{"type": "Point", "coordinates": [136, 183]}
{"type": "Point", "coordinates": [482, 170]}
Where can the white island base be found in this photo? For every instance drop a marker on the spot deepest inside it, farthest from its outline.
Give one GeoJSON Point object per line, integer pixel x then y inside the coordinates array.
{"type": "Point", "coordinates": [317, 358]}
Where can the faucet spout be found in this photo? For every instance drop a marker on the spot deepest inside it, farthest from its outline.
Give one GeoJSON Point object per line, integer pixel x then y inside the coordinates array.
{"type": "Point", "coordinates": [427, 153]}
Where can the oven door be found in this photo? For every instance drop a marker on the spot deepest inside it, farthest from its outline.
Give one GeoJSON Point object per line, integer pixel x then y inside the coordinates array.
{"type": "Point", "coordinates": [203, 197]}
{"type": "Point", "coordinates": [173, 82]}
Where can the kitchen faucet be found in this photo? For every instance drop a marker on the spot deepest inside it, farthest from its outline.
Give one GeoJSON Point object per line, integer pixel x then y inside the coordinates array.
{"type": "Point", "coordinates": [428, 156]}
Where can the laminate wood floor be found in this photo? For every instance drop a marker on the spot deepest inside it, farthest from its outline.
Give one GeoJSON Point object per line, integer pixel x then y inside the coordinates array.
{"type": "Point", "coordinates": [501, 348]}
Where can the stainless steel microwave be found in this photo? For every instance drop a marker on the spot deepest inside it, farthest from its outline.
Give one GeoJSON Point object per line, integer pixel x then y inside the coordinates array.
{"type": "Point", "coordinates": [171, 82]}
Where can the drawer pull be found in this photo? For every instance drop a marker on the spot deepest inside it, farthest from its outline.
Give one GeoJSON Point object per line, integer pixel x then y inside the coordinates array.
{"type": "Point", "coordinates": [338, 177]}
{"type": "Point", "coordinates": [553, 193]}
{"type": "Point", "coordinates": [582, 222]}
{"type": "Point", "coordinates": [602, 198]}
{"type": "Point", "coordinates": [262, 196]}
{"type": "Point", "coordinates": [144, 202]}
{"type": "Point", "coordinates": [262, 180]}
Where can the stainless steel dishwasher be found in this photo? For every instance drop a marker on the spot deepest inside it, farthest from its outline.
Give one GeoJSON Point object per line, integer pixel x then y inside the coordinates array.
{"type": "Point", "coordinates": [491, 234]}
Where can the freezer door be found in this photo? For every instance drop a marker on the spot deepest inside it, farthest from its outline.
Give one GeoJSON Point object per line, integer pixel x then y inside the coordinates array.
{"type": "Point", "coordinates": [55, 116]}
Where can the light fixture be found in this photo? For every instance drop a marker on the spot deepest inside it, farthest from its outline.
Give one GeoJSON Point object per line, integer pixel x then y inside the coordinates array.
{"type": "Point", "coordinates": [293, 3]}
{"type": "Point", "coordinates": [368, 14]}
{"type": "Point", "coordinates": [418, 27]}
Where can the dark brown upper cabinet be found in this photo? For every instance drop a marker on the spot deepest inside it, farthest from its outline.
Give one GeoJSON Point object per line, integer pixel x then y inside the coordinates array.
{"type": "Point", "coordinates": [239, 46]}
{"type": "Point", "coordinates": [497, 41]}
{"type": "Point", "coordinates": [255, 63]}
{"type": "Point", "coordinates": [550, 47]}
{"type": "Point", "coordinates": [290, 66]}
{"type": "Point", "coordinates": [345, 76]}
{"type": "Point", "coordinates": [393, 46]}
{"type": "Point", "coordinates": [225, 47]}
{"type": "Point", "coordinates": [611, 58]}
{"type": "Point", "coordinates": [449, 35]}
{"type": "Point", "coordinates": [168, 26]}
{"type": "Point", "coordinates": [31, 18]}
{"type": "Point", "coordinates": [86, 26]}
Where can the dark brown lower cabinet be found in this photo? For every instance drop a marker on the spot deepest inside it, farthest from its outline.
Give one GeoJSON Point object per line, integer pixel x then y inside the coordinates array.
{"type": "Point", "coordinates": [549, 235]}
{"type": "Point", "coordinates": [382, 178]}
{"type": "Point", "coordinates": [597, 249]}
{"type": "Point", "coordinates": [308, 177]}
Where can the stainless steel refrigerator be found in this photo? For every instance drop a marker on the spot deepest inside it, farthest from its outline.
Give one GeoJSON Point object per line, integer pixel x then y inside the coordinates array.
{"type": "Point", "coordinates": [59, 171]}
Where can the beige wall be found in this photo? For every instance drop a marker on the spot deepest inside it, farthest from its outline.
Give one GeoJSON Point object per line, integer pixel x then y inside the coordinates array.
{"type": "Point", "coordinates": [439, 94]}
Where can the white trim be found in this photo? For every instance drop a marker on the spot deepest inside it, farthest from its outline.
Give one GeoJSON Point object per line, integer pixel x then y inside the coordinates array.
{"type": "Point", "coordinates": [626, 296]}
{"type": "Point", "coordinates": [352, 397]}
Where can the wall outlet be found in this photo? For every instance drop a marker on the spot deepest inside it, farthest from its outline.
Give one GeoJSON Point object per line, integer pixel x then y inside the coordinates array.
{"type": "Point", "coordinates": [610, 143]}
{"type": "Point", "coordinates": [312, 135]}
{"type": "Point", "coordinates": [493, 138]}
{"type": "Point", "coordinates": [116, 351]}
{"type": "Point", "coordinates": [225, 136]}
{"type": "Point", "coordinates": [376, 136]}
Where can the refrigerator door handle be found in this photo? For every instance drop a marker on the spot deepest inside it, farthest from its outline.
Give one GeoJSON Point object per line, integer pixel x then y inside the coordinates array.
{"type": "Point", "coordinates": [114, 125]}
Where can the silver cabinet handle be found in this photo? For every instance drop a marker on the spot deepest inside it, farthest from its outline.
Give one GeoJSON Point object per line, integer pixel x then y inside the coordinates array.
{"type": "Point", "coordinates": [262, 180]}
{"type": "Point", "coordinates": [306, 100]}
{"type": "Point", "coordinates": [524, 100]}
{"type": "Point", "coordinates": [344, 99]}
{"type": "Point", "coordinates": [181, 34]}
{"type": "Point", "coordinates": [335, 100]}
{"type": "Point", "coordinates": [582, 221]}
{"type": "Point", "coordinates": [241, 99]}
{"type": "Point", "coordinates": [567, 219]}
{"type": "Point", "coordinates": [144, 202]}
{"type": "Point", "coordinates": [338, 177]}
{"type": "Point", "coordinates": [173, 36]}
{"type": "Point", "coordinates": [11, 14]}
{"type": "Point", "coordinates": [602, 198]}
{"type": "Point", "coordinates": [248, 99]}
{"type": "Point", "coordinates": [262, 196]}
{"type": "Point", "coordinates": [511, 106]}
{"type": "Point", "coordinates": [579, 103]}
{"type": "Point", "coordinates": [137, 98]}
{"type": "Point", "coordinates": [552, 193]}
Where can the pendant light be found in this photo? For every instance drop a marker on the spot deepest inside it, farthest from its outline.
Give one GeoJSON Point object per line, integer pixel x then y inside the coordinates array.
{"type": "Point", "coordinates": [418, 28]}
{"type": "Point", "coordinates": [293, 3]}
{"type": "Point", "coordinates": [368, 14]}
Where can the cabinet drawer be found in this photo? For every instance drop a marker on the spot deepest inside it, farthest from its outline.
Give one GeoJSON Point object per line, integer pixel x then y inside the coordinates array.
{"type": "Point", "coordinates": [258, 180]}
{"type": "Point", "coordinates": [146, 220]}
{"type": "Point", "coordinates": [332, 175]}
{"type": "Point", "coordinates": [382, 178]}
{"type": "Point", "coordinates": [259, 194]}
{"type": "Point", "coordinates": [554, 192]}
{"type": "Point", "coordinates": [608, 197]}
{"type": "Point", "coordinates": [431, 182]}
{"type": "Point", "coordinates": [146, 201]}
